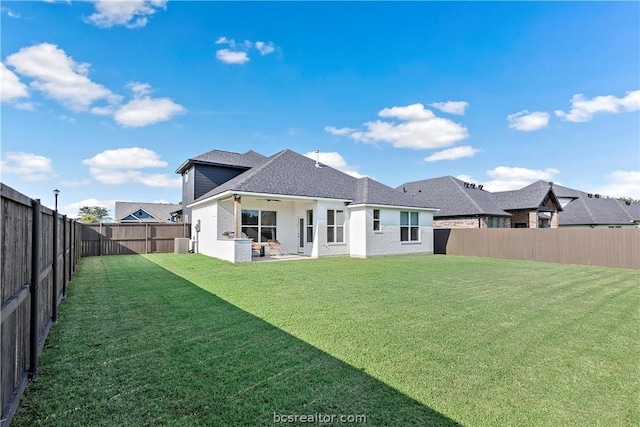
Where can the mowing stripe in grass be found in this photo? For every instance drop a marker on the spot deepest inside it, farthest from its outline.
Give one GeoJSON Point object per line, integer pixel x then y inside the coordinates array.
{"type": "Point", "coordinates": [138, 345]}
{"type": "Point", "coordinates": [483, 341]}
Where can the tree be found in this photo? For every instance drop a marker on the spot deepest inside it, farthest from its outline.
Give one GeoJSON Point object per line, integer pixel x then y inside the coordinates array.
{"type": "Point", "coordinates": [628, 199]}
{"type": "Point", "coordinates": [93, 214]}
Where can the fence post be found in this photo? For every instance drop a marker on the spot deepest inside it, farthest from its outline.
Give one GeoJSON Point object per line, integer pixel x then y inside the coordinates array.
{"type": "Point", "coordinates": [54, 269]}
{"type": "Point", "coordinates": [146, 238]}
{"type": "Point", "coordinates": [64, 254]}
{"type": "Point", "coordinates": [33, 288]}
{"type": "Point", "coordinates": [100, 241]}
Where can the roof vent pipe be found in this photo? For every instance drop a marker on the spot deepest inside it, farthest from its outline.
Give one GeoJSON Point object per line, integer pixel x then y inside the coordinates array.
{"type": "Point", "coordinates": [317, 158]}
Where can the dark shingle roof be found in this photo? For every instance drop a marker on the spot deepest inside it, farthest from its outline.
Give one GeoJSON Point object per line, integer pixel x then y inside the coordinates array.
{"type": "Point", "coordinates": [593, 210]}
{"type": "Point", "coordinates": [526, 198]}
{"type": "Point", "coordinates": [558, 189]}
{"type": "Point", "coordinates": [291, 174]}
{"type": "Point", "coordinates": [225, 158]}
{"type": "Point", "coordinates": [162, 211]}
{"type": "Point", "coordinates": [450, 195]}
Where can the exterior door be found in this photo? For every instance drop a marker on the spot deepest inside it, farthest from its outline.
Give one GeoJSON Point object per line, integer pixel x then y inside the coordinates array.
{"type": "Point", "coordinates": [300, 234]}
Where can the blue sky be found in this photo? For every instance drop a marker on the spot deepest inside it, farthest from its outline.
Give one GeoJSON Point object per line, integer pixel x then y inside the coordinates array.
{"type": "Point", "coordinates": [105, 99]}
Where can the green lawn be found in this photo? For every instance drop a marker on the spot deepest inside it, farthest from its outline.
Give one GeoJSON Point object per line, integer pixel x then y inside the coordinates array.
{"type": "Point", "coordinates": [415, 340]}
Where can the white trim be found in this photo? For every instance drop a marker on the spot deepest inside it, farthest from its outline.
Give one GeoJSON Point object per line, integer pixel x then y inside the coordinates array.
{"type": "Point", "coordinates": [139, 219]}
{"type": "Point", "coordinates": [230, 193]}
{"type": "Point", "coordinates": [367, 205]}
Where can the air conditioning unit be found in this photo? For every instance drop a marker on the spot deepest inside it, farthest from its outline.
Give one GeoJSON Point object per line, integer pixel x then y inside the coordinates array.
{"type": "Point", "coordinates": [181, 245]}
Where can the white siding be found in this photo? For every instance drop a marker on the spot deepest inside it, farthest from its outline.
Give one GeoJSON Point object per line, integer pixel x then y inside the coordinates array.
{"type": "Point", "coordinates": [358, 231]}
{"type": "Point", "coordinates": [387, 240]}
{"type": "Point", "coordinates": [321, 247]}
{"type": "Point", "coordinates": [359, 238]}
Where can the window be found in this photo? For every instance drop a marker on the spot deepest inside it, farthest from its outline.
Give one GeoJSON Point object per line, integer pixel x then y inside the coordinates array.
{"type": "Point", "coordinates": [496, 222]}
{"type": "Point", "coordinates": [335, 226]}
{"type": "Point", "coordinates": [409, 229]}
{"type": "Point", "coordinates": [376, 220]}
{"type": "Point", "coordinates": [186, 176]}
{"type": "Point", "coordinates": [259, 225]}
{"type": "Point", "coordinates": [309, 226]}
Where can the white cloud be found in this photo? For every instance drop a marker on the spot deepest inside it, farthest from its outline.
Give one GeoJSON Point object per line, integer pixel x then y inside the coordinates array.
{"type": "Point", "coordinates": [11, 88]}
{"type": "Point", "coordinates": [146, 111]}
{"type": "Point", "coordinates": [452, 153]}
{"type": "Point", "coordinates": [10, 13]}
{"type": "Point", "coordinates": [583, 110]}
{"type": "Point", "coordinates": [139, 89]}
{"type": "Point", "coordinates": [120, 166]}
{"type": "Point", "coordinates": [451, 107]}
{"type": "Point", "coordinates": [338, 131]}
{"type": "Point", "coordinates": [504, 178]}
{"type": "Point", "coordinates": [129, 13]}
{"type": "Point", "coordinates": [526, 121]}
{"type": "Point", "coordinates": [59, 77]}
{"type": "Point", "coordinates": [419, 129]}
{"type": "Point", "coordinates": [239, 53]}
{"type": "Point", "coordinates": [336, 161]}
{"type": "Point", "coordinates": [465, 178]}
{"type": "Point", "coordinates": [232, 57]}
{"type": "Point", "coordinates": [126, 158]}
{"type": "Point", "coordinates": [29, 167]}
{"type": "Point", "coordinates": [265, 48]}
{"type": "Point", "coordinates": [224, 40]}
{"type": "Point", "coordinates": [621, 184]}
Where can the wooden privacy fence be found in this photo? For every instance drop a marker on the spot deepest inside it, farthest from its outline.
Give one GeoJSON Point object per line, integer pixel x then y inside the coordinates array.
{"type": "Point", "coordinates": [619, 247]}
{"type": "Point", "coordinates": [123, 239]}
{"type": "Point", "coordinates": [39, 256]}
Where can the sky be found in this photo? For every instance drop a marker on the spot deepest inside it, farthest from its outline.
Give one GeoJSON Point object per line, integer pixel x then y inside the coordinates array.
{"type": "Point", "coordinates": [104, 100]}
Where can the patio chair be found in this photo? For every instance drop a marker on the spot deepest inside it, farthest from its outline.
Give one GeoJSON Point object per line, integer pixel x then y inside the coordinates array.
{"type": "Point", "coordinates": [275, 248]}
{"type": "Point", "coordinates": [257, 249]}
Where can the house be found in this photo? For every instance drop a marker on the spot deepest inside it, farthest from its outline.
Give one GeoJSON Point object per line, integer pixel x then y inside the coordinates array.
{"type": "Point", "coordinates": [136, 212]}
{"type": "Point", "coordinates": [467, 205]}
{"type": "Point", "coordinates": [203, 173]}
{"type": "Point", "coordinates": [536, 207]}
{"type": "Point", "coordinates": [594, 210]}
{"type": "Point", "coordinates": [310, 209]}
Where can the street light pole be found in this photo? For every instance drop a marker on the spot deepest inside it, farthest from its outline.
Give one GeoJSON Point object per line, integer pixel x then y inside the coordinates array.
{"type": "Point", "coordinates": [55, 193]}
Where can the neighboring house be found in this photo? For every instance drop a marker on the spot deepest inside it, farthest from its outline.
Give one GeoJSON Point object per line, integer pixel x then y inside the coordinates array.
{"type": "Point", "coordinates": [594, 210]}
{"type": "Point", "coordinates": [136, 212]}
{"type": "Point", "coordinates": [460, 204]}
{"type": "Point", "coordinates": [205, 172]}
{"type": "Point", "coordinates": [466, 205]}
{"type": "Point", "coordinates": [536, 207]}
{"type": "Point", "coordinates": [310, 209]}
{"type": "Point", "coordinates": [565, 195]}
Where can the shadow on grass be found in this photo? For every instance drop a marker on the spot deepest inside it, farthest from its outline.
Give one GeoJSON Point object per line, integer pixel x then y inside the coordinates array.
{"type": "Point", "coordinates": [138, 345]}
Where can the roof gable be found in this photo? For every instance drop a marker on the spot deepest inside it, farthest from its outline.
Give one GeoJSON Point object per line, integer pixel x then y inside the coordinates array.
{"type": "Point", "coordinates": [153, 211]}
{"type": "Point", "coordinates": [526, 198]}
{"type": "Point", "coordinates": [224, 158]}
{"type": "Point", "coordinates": [559, 190]}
